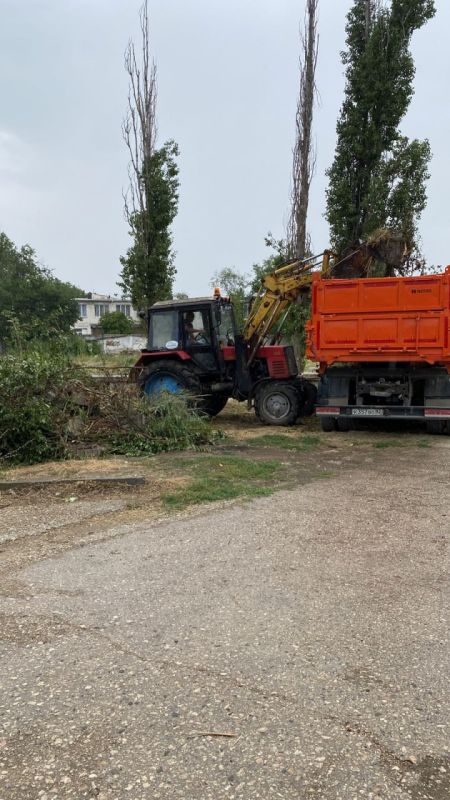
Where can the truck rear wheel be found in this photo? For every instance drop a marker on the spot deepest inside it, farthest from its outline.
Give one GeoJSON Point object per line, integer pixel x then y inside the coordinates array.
{"type": "Point", "coordinates": [277, 404]}
{"type": "Point", "coordinates": [343, 424]}
{"type": "Point", "coordinates": [436, 427]}
{"type": "Point", "coordinates": [328, 424]}
{"type": "Point", "coordinates": [309, 397]}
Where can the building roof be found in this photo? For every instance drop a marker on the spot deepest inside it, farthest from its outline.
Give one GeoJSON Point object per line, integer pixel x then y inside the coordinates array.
{"type": "Point", "coordinates": [191, 301]}
{"type": "Point", "coordinates": [97, 298]}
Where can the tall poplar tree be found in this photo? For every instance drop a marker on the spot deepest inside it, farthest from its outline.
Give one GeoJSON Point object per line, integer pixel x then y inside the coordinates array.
{"type": "Point", "coordinates": [378, 176]}
{"type": "Point", "coordinates": [303, 154]}
{"type": "Point", "coordinates": [151, 202]}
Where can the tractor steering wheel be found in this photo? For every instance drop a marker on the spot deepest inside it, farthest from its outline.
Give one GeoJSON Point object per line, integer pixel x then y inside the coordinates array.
{"type": "Point", "coordinates": [200, 338]}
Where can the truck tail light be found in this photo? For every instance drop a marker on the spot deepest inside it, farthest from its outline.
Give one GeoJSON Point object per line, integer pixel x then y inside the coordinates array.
{"type": "Point", "coordinates": [437, 412]}
{"type": "Point", "coordinates": [328, 410]}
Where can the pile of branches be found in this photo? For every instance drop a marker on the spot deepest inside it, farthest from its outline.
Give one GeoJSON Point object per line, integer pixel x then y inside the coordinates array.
{"type": "Point", "coordinates": [118, 417]}
{"type": "Point", "coordinates": [51, 409]}
{"type": "Point", "coordinates": [383, 254]}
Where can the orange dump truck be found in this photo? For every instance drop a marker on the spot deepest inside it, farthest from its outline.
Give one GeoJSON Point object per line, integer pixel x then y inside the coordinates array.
{"type": "Point", "coordinates": [383, 349]}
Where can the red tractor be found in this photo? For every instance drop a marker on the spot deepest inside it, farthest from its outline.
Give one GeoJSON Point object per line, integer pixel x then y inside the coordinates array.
{"type": "Point", "coordinates": [194, 347]}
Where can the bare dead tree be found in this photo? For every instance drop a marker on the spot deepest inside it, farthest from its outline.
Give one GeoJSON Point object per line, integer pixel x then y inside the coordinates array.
{"type": "Point", "coordinates": [303, 154]}
{"type": "Point", "coordinates": [139, 127]}
{"type": "Point", "coordinates": [151, 202]}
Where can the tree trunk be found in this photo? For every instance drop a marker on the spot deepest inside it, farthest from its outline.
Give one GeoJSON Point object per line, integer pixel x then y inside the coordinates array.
{"type": "Point", "coordinates": [139, 126]}
{"type": "Point", "coordinates": [303, 154]}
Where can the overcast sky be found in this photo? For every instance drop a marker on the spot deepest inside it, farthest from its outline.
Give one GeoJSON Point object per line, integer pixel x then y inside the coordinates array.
{"type": "Point", "coordinates": [227, 83]}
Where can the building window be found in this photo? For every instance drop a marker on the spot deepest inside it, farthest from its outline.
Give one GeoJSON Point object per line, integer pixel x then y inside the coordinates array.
{"type": "Point", "coordinates": [124, 308]}
{"type": "Point", "coordinates": [83, 310]}
{"type": "Point", "coordinates": [100, 309]}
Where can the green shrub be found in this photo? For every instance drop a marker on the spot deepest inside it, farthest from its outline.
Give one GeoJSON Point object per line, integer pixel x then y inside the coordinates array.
{"type": "Point", "coordinates": [33, 409]}
{"type": "Point", "coordinates": [49, 407]}
{"type": "Point", "coordinates": [116, 322]}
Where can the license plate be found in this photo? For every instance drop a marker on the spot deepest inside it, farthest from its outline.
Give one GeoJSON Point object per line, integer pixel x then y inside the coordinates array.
{"type": "Point", "coordinates": [367, 412]}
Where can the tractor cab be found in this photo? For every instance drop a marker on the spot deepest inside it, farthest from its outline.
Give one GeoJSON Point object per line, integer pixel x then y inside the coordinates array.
{"type": "Point", "coordinates": [186, 347]}
{"type": "Point", "coordinates": [198, 327]}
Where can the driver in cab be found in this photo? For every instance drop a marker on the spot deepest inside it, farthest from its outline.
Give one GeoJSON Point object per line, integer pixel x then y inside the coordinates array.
{"type": "Point", "coordinates": [191, 332]}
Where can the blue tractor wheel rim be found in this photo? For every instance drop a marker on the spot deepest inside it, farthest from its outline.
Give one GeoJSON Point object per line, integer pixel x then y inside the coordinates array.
{"type": "Point", "coordinates": [163, 382]}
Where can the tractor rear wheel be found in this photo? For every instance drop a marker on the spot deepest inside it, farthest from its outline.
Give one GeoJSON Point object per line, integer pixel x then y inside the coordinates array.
{"type": "Point", "coordinates": [277, 403]}
{"type": "Point", "coordinates": [176, 378]}
{"type": "Point", "coordinates": [164, 375]}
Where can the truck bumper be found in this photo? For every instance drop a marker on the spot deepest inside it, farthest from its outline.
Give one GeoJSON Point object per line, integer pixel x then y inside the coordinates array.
{"type": "Point", "coordinates": [419, 413]}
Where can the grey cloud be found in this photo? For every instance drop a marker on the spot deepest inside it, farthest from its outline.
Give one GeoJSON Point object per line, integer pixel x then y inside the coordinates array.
{"type": "Point", "coordinates": [227, 73]}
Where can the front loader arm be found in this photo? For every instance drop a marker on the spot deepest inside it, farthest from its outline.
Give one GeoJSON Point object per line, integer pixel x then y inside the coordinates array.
{"type": "Point", "coordinates": [278, 292]}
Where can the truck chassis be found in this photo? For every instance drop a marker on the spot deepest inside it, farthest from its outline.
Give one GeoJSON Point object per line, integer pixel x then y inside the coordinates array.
{"type": "Point", "coordinates": [384, 391]}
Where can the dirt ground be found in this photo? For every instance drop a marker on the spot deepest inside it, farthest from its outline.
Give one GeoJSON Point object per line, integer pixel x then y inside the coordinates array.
{"type": "Point", "coordinates": [65, 503]}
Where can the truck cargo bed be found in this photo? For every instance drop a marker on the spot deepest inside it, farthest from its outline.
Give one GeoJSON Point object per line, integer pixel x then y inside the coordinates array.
{"type": "Point", "coordinates": [380, 319]}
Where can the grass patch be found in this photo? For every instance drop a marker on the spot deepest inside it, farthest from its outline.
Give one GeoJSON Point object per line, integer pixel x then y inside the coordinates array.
{"type": "Point", "coordinates": [305, 442]}
{"type": "Point", "coordinates": [325, 473]}
{"type": "Point", "coordinates": [385, 443]}
{"type": "Point", "coordinates": [221, 478]}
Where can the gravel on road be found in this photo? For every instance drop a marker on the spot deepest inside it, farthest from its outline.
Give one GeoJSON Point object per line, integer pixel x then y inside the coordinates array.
{"type": "Point", "coordinates": [295, 646]}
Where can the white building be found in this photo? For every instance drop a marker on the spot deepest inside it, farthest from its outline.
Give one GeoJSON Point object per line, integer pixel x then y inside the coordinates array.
{"type": "Point", "coordinates": [92, 308]}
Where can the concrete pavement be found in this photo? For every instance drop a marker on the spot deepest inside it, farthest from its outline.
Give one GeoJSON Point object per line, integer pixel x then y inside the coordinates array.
{"type": "Point", "coordinates": [311, 626]}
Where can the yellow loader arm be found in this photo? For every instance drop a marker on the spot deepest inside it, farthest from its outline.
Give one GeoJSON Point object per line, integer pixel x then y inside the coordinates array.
{"type": "Point", "coordinates": [278, 292]}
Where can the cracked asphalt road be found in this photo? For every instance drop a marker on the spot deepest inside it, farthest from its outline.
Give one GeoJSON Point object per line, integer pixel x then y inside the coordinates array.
{"type": "Point", "coordinates": [310, 626]}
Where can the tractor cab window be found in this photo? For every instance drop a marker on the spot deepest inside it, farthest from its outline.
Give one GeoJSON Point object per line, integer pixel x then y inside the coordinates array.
{"type": "Point", "coordinates": [163, 332]}
{"type": "Point", "coordinates": [196, 327]}
{"type": "Point", "coordinates": [226, 327]}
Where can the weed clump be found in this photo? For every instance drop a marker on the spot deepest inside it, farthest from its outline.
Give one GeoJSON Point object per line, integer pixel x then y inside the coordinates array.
{"type": "Point", "coordinates": [152, 425]}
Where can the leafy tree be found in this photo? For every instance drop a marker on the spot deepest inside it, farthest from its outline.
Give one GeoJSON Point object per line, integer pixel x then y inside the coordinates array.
{"type": "Point", "coordinates": [279, 256]}
{"type": "Point", "coordinates": [231, 281]}
{"type": "Point", "coordinates": [236, 287]}
{"type": "Point", "coordinates": [378, 177]}
{"type": "Point", "coordinates": [33, 303]}
{"type": "Point", "coordinates": [239, 286]}
{"type": "Point", "coordinates": [148, 267]}
{"type": "Point", "coordinates": [116, 322]}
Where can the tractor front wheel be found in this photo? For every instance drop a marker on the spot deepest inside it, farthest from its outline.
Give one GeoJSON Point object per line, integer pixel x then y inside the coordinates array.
{"type": "Point", "coordinates": [277, 404]}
